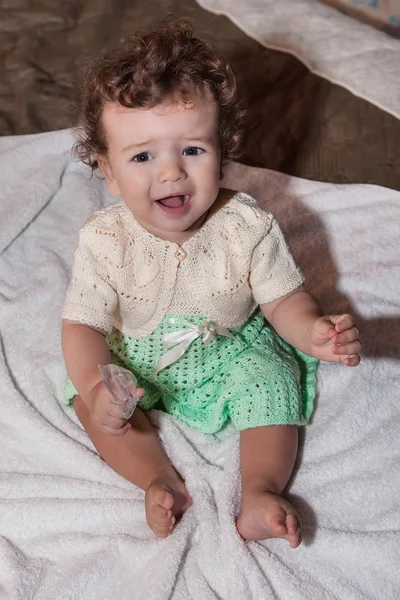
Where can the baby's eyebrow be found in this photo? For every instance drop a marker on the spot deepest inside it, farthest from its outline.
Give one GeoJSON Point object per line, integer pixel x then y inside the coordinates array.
{"type": "Point", "coordinates": [192, 137]}
{"type": "Point", "coordinates": [198, 138]}
{"type": "Point", "coordinates": [138, 145]}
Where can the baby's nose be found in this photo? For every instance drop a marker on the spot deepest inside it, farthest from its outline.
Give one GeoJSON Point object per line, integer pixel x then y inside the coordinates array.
{"type": "Point", "coordinates": [171, 171]}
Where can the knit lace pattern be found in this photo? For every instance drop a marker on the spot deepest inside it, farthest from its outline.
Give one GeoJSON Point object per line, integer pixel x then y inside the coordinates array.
{"type": "Point", "coordinates": [255, 380]}
{"type": "Point", "coordinates": [125, 278]}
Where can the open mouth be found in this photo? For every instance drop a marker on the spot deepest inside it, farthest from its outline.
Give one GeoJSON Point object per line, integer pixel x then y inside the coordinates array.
{"type": "Point", "coordinates": [175, 205]}
{"type": "Point", "coordinates": [173, 201]}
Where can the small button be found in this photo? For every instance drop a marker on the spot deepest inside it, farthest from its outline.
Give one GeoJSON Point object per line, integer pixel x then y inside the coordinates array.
{"type": "Point", "coordinates": [180, 254]}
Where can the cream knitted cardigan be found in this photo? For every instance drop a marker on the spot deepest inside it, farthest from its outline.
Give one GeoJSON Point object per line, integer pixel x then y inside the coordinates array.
{"type": "Point", "coordinates": [125, 277]}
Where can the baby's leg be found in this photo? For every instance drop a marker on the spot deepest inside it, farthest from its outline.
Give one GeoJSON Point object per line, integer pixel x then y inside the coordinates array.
{"type": "Point", "coordinates": [267, 456]}
{"type": "Point", "coordinates": [138, 457]}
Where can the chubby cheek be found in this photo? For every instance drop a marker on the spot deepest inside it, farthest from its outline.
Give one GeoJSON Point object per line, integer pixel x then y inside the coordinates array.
{"type": "Point", "coordinates": [213, 186]}
{"type": "Point", "coordinates": [135, 186]}
{"type": "Point", "coordinates": [210, 176]}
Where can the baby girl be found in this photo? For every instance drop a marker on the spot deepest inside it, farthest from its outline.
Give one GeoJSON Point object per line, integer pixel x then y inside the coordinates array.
{"type": "Point", "coordinates": [178, 254]}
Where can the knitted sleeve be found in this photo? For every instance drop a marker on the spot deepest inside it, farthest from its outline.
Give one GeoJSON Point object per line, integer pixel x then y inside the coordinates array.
{"type": "Point", "coordinates": [273, 272]}
{"type": "Point", "coordinates": [91, 298]}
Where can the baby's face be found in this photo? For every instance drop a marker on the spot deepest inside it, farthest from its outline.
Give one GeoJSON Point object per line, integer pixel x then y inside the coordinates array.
{"type": "Point", "coordinates": [165, 163]}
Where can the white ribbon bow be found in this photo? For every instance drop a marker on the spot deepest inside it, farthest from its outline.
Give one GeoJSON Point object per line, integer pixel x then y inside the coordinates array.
{"type": "Point", "coordinates": [182, 339]}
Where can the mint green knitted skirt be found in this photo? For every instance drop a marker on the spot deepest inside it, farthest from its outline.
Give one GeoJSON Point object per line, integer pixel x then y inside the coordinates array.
{"type": "Point", "coordinates": [255, 380]}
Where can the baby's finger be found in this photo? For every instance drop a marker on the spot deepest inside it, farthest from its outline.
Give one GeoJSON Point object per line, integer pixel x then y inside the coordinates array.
{"type": "Point", "coordinates": [115, 432]}
{"type": "Point", "coordinates": [347, 349]}
{"type": "Point", "coordinates": [116, 409]}
{"type": "Point", "coordinates": [350, 335]}
{"type": "Point", "coordinates": [342, 322]}
{"type": "Point", "coordinates": [351, 361]}
{"type": "Point", "coordinates": [138, 392]}
{"type": "Point", "coordinates": [114, 422]}
{"type": "Point", "coordinates": [324, 326]}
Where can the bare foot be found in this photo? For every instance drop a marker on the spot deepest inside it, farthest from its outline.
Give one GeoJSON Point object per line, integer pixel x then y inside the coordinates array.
{"type": "Point", "coordinates": [266, 515]}
{"type": "Point", "coordinates": [166, 501]}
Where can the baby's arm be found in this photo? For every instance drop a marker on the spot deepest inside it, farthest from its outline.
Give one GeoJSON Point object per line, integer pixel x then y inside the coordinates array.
{"type": "Point", "coordinates": [85, 348]}
{"type": "Point", "coordinates": [136, 454]}
{"type": "Point", "coordinates": [298, 319]}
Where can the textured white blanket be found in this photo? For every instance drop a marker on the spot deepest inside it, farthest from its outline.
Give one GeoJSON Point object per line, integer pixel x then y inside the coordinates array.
{"type": "Point", "coordinates": [71, 528]}
{"type": "Point", "coordinates": [332, 45]}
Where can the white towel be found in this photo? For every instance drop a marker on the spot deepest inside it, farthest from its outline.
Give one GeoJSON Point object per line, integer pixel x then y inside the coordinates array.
{"type": "Point", "coordinates": [71, 528]}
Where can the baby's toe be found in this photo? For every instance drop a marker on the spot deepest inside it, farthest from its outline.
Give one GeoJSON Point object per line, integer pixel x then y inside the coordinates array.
{"type": "Point", "coordinates": [162, 532]}
{"type": "Point", "coordinates": [291, 523]}
{"type": "Point", "coordinates": [159, 512]}
{"type": "Point", "coordinates": [295, 540]}
{"type": "Point", "coordinates": [294, 530]}
{"type": "Point", "coordinates": [162, 497]}
{"type": "Point", "coordinates": [162, 527]}
{"type": "Point", "coordinates": [279, 525]}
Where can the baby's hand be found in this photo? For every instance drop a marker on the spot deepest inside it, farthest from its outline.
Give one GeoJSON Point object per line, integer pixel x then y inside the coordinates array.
{"type": "Point", "coordinates": [106, 414]}
{"type": "Point", "coordinates": [335, 338]}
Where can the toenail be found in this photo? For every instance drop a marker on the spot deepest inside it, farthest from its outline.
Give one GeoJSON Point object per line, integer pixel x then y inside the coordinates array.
{"type": "Point", "coordinates": [173, 520]}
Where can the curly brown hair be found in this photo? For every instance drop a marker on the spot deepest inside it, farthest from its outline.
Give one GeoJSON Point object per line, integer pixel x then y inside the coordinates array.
{"type": "Point", "coordinates": [149, 68]}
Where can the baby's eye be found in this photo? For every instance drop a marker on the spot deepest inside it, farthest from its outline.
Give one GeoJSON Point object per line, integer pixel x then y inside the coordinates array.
{"type": "Point", "coordinates": [142, 157]}
{"type": "Point", "coordinates": [192, 151]}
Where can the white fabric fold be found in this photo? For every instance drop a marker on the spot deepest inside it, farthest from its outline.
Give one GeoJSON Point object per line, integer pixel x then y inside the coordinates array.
{"type": "Point", "coordinates": [356, 56]}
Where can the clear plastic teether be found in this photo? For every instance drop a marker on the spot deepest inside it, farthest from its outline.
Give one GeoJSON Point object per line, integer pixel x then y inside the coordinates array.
{"type": "Point", "coordinates": [121, 383]}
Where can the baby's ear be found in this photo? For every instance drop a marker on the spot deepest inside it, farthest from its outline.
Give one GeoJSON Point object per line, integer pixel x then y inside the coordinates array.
{"type": "Point", "coordinates": [105, 168]}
